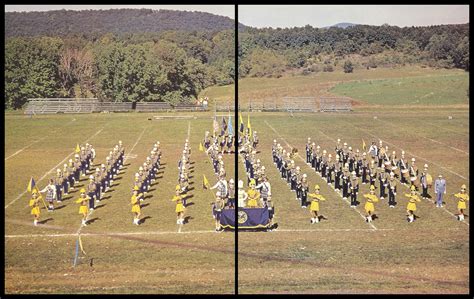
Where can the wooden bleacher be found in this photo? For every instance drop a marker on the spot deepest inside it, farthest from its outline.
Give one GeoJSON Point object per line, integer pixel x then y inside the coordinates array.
{"type": "Point", "coordinates": [153, 106]}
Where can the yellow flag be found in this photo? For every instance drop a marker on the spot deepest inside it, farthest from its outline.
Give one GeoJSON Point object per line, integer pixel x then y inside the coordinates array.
{"type": "Point", "coordinates": [201, 148]}
{"type": "Point", "coordinates": [78, 149]}
{"type": "Point", "coordinates": [364, 147]}
{"type": "Point", "coordinates": [248, 125]}
{"type": "Point", "coordinates": [32, 186]}
{"type": "Point", "coordinates": [205, 182]}
{"type": "Point", "coordinates": [80, 244]}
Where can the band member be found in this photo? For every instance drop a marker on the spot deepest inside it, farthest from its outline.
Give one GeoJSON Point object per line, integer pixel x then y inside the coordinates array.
{"type": "Point", "coordinates": [381, 154]}
{"type": "Point", "coordinates": [424, 182]}
{"type": "Point", "coordinates": [271, 211]}
{"type": "Point", "coordinates": [317, 159]}
{"type": "Point", "coordinates": [330, 169]}
{"type": "Point", "coordinates": [382, 175]}
{"type": "Point", "coordinates": [308, 150]}
{"type": "Point", "coordinates": [315, 198]}
{"type": "Point", "coordinates": [357, 162]}
{"type": "Point", "coordinates": [392, 190]}
{"type": "Point", "coordinates": [218, 207]}
{"type": "Point", "coordinates": [412, 200]}
{"type": "Point", "coordinates": [91, 188]}
{"type": "Point", "coordinates": [413, 172]}
{"type": "Point", "coordinates": [135, 202]}
{"type": "Point", "coordinates": [58, 183]}
{"type": "Point", "coordinates": [354, 189]}
{"type": "Point", "coordinates": [374, 150]}
{"type": "Point", "coordinates": [403, 166]}
{"type": "Point", "coordinates": [372, 173]}
{"type": "Point", "coordinates": [350, 159]}
{"type": "Point", "coordinates": [178, 198]}
{"type": "Point", "coordinates": [364, 165]}
{"type": "Point", "coordinates": [440, 189]}
{"type": "Point", "coordinates": [323, 164]}
{"type": "Point", "coordinates": [265, 190]}
{"type": "Point", "coordinates": [337, 173]}
{"type": "Point", "coordinates": [304, 188]}
{"type": "Point", "coordinates": [462, 198]}
{"type": "Point", "coordinates": [83, 209]}
{"type": "Point", "coordinates": [242, 195]}
{"type": "Point", "coordinates": [231, 195]}
{"type": "Point", "coordinates": [345, 153]}
{"type": "Point", "coordinates": [338, 148]}
{"type": "Point", "coordinates": [253, 195]}
{"type": "Point", "coordinates": [255, 139]}
{"type": "Point", "coordinates": [345, 181]}
{"type": "Point", "coordinates": [369, 204]}
{"type": "Point", "coordinates": [50, 191]}
{"type": "Point", "coordinates": [34, 205]}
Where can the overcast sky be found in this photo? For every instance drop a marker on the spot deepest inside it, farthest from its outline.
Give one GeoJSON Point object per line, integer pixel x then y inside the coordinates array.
{"type": "Point", "coordinates": [223, 10]}
{"type": "Point", "coordinates": [326, 15]}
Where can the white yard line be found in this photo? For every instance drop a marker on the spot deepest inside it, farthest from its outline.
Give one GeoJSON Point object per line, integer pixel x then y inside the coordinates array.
{"type": "Point", "coordinates": [447, 129]}
{"type": "Point", "coordinates": [189, 129]}
{"type": "Point", "coordinates": [432, 140]}
{"type": "Point", "coordinates": [455, 173]}
{"type": "Point", "coordinates": [36, 141]}
{"type": "Point", "coordinates": [131, 150]}
{"type": "Point", "coordinates": [52, 169]}
{"type": "Point", "coordinates": [110, 234]}
{"type": "Point", "coordinates": [355, 209]}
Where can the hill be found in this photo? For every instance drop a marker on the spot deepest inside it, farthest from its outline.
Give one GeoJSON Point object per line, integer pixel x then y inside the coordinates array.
{"type": "Point", "coordinates": [118, 21]}
{"type": "Point", "coordinates": [342, 25]}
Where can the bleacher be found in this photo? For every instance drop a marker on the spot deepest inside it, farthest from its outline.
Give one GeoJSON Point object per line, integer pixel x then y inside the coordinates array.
{"type": "Point", "coordinates": [225, 107]}
{"type": "Point", "coordinates": [188, 107]}
{"type": "Point", "coordinates": [113, 107]}
{"type": "Point", "coordinates": [335, 104]}
{"type": "Point", "coordinates": [300, 104]}
{"type": "Point", "coordinates": [60, 105]}
{"type": "Point", "coordinates": [153, 106]}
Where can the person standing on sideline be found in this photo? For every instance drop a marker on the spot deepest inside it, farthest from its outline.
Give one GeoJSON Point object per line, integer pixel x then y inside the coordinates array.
{"type": "Point", "coordinates": [440, 189]}
{"type": "Point", "coordinates": [462, 198]}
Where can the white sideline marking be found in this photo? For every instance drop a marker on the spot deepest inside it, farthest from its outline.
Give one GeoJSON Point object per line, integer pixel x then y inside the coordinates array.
{"type": "Point", "coordinates": [432, 140]}
{"type": "Point", "coordinates": [189, 129]}
{"type": "Point", "coordinates": [52, 169]}
{"type": "Point", "coordinates": [355, 209]}
{"type": "Point", "coordinates": [22, 149]}
{"type": "Point", "coordinates": [124, 160]}
{"type": "Point", "coordinates": [110, 234]}
{"type": "Point", "coordinates": [455, 173]}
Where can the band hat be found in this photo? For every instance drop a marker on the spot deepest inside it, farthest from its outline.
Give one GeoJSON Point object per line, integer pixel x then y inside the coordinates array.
{"type": "Point", "coordinates": [463, 186]}
{"type": "Point", "coordinates": [83, 190]}
{"type": "Point", "coordinates": [413, 159]}
{"type": "Point", "coordinates": [317, 187]}
{"type": "Point", "coordinates": [372, 187]}
{"type": "Point", "coordinates": [440, 176]}
{"type": "Point", "coordinates": [413, 188]}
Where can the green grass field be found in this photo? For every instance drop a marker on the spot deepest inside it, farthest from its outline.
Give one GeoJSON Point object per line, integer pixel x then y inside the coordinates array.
{"type": "Point", "coordinates": [344, 254]}
{"type": "Point", "coordinates": [150, 258]}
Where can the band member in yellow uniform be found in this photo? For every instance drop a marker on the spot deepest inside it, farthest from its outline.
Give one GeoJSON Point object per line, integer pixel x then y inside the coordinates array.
{"type": "Point", "coordinates": [179, 205]}
{"type": "Point", "coordinates": [411, 207]}
{"type": "Point", "coordinates": [463, 197]}
{"type": "Point", "coordinates": [83, 209]}
{"type": "Point", "coordinates": [135, 202]}
{"type": "Point", "coordinates": [253, 195]}
{"type": "Point", "coordinates": [35, 208]}
{"type": "Point", "coordinates": [315, 198]}
{"type": "Point", "coordinates": [369, 205]}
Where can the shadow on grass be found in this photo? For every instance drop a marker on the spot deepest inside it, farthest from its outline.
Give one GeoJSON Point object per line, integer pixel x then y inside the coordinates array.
{"type": "Point", "coordinates": [188, 204]}
{"type": "Point", "coordinates": [144, 205]}
{"type": "Point", "coordinates": [98, 207]}
{"type": "Point", "coordinates": [187, 219]}
{"type": "Point", "coordinates": [44, 221]}
{"type": "Point", "coordinates": [59, 207]}
{"type": "Point", "coordinates": [144, 219]}
{"type": "Point", "coordinates": [93, 220]}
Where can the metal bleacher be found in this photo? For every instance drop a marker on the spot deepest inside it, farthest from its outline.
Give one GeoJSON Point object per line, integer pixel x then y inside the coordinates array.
{"type": "Point", "coordinates": [300, 104]}
{"type": "Point", "coordinates": [152, 106]}
{"type": "Point", "coordinates": [188, 107]}
{"type": "Point", "coordinates": [60, 105]}
{"type": "Point", "coordinates": [335, 104]}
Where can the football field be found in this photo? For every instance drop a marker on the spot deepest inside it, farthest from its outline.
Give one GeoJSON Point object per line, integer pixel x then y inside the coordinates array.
{"type": "Point", "coordinates": [344, 253]}
{"type": "Point", "coordinates": [118, 257]}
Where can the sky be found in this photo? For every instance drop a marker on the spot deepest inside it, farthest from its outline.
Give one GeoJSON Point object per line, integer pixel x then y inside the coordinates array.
{"type": "Point", "coordinates": [222, 10]}
{"type": "Point", "coordinates": [326, 15]}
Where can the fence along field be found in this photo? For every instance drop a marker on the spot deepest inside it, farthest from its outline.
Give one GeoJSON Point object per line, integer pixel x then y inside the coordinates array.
{"type": "Point", "coordinates": [120, 257]}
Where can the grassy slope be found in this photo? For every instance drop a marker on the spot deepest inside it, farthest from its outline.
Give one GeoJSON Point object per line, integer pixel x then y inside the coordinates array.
{"type": "Point", "coordinates": [167, 263]}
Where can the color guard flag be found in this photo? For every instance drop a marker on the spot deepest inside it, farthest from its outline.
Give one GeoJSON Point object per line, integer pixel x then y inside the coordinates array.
{"type": "Point", "coordinates": [224, 126]}
{"type": "Point", "coordinates": [364, 147]}
{"type": "Point", "coordinates": [215, 125]}
{"type": "Point", "coordinates": [201, 148]}
{"type": "Point", "coordinates": [248, 125]}
{"type": "Point", "coordinates": [78, 149]}
{"type": "Point", "coordinates": [230, 129]}
{"type": "Point", "coordinates": [205, 182]}
{"type": "Point", "coordinates": [32, 186]}
{"type": "Point", "coordinates": [241, 129]}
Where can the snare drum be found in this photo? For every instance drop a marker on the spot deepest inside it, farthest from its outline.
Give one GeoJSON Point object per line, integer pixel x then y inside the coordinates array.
{"type": "Point", "coordinates": [416, 181]}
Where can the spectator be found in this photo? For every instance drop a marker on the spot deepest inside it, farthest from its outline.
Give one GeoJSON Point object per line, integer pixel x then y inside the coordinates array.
{"type": "Point", "coordinates": [440, 189]}
{"type": "Point", "coordinates": [205, 103]}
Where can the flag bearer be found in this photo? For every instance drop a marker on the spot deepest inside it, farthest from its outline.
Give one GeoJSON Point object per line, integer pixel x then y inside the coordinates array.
{"type": "Point", "coordinates": [135, 202]}
{"type": "Point", "coordinates": [35, 208]}
{"type": "Point", "coordinates": [83, 209]}
{"type": "Point", "coordinates": [179, 206]}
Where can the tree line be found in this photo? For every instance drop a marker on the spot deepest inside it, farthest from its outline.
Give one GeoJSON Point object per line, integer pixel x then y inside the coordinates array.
{"type": "Point", "coordinates": [272, 51]}
{"type": "Point", "coordinates": [169, 66]}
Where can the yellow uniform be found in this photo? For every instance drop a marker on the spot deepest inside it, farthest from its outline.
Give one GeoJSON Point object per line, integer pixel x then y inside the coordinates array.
{"type": "Point", "coordinates": [254, 196]}
{"type": "Point", "coordinates": [83, 209]}
{"type": "Point", "coordinates": [35, 209]}
{"type": "Point", "coordinates": [369, 205]}
{"type": "Point", "coordinates": [315, 199]}
{"type": "Point", "coordinates": [463, 197]}
{"type": "Point", "coordinates": [179, 203]}
{"type": "Point", "coordinates": [412, 201]}
{"type": "Point", "coordinates": [135, 204]}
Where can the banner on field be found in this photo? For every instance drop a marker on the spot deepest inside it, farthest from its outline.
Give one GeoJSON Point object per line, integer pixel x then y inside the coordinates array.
{"type": "Point", "coordinates": [246, 218]}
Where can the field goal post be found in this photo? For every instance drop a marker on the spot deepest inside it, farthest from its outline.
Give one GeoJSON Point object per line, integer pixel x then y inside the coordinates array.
{"type": "Point", "coordinates": [335, 104]}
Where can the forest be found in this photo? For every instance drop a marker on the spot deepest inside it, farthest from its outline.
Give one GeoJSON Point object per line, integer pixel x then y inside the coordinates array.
{"type": "Point", "coordinates": [130, 63]}
{"type": "Point", "coordinates": [271, 52]}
